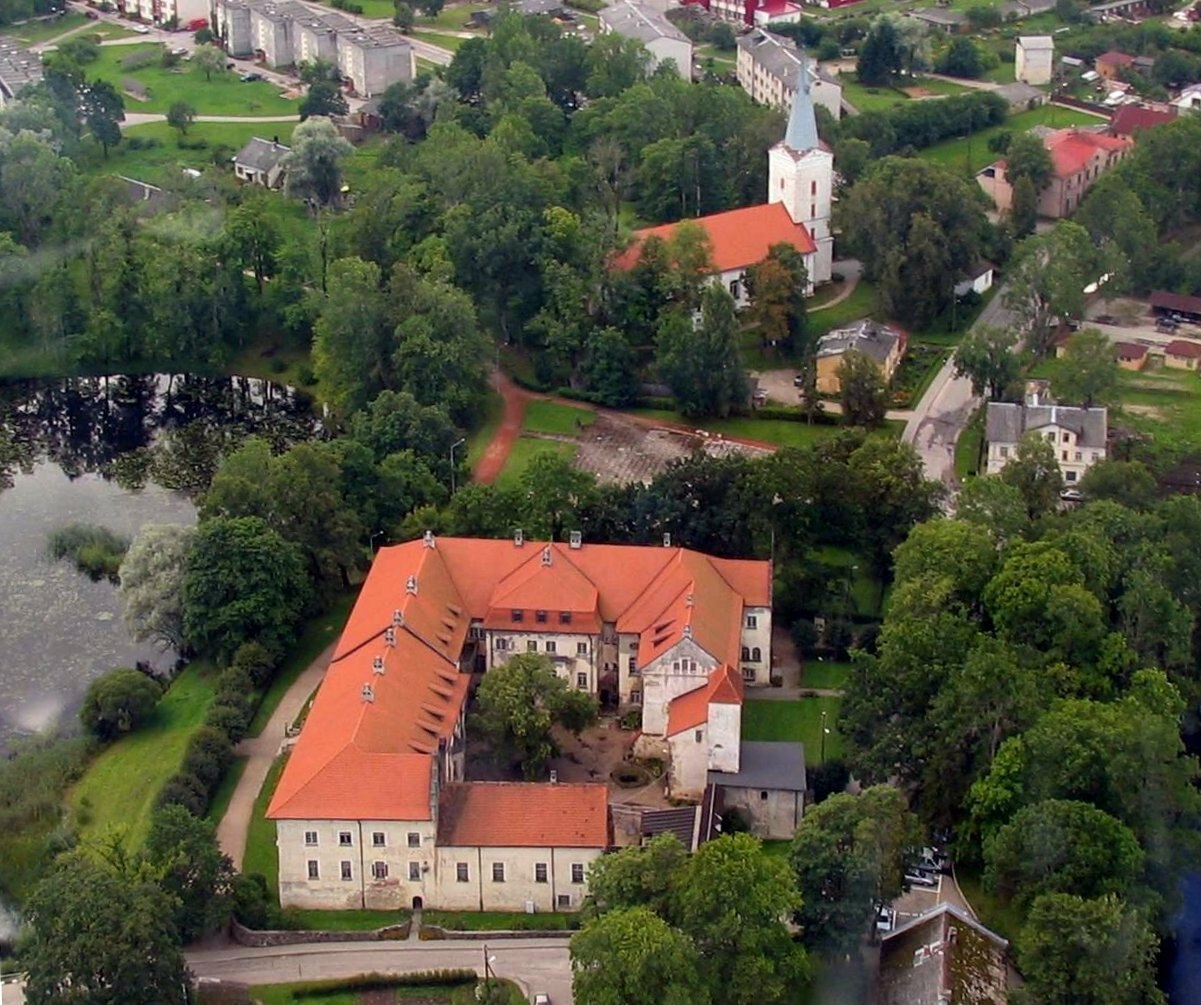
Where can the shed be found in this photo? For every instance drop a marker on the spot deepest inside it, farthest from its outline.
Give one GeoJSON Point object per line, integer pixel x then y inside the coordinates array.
{"type": "Point", "coordinates": [260, 162]}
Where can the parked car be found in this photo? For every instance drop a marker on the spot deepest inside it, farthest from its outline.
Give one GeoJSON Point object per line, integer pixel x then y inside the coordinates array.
{"type": "Point", "coordinates": [541, 999]}
{"type": "Point", "coordinates": [1166, 325]}
{"type": "Point", "coordinates": [91, 15]}
{"type": "Point", "coordinates": [920, 877]}
{"type": "Point", "coordinates": [933, 860]}
{"type": "Point", "coordinates": [886, 920]}
{"type": "Point", "coordinates": [196, 24]}
{"type": "Point", "coordinates": [179, 50]}
{"type": "Point", "coordinates": [141, 29]}
{"type": "Point", "coordinates": [251, 76]}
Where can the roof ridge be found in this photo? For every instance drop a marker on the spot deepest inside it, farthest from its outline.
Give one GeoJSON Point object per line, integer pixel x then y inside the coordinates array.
{"type": "Point", "coordinates": [651, 582]}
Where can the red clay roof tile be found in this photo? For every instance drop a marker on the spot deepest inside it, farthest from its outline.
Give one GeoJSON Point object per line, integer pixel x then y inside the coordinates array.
{"type": "Point", "coordinates": [524, 815]}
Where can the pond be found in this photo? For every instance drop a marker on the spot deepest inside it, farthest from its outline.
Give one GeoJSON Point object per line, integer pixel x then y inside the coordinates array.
{"type": "Point", "coordinates": [117, 451]}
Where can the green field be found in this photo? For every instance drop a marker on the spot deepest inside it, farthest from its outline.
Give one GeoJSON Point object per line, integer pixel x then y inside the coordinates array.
{"type": "Point", "coordinates": [325, 993]}
{"type": "Point", "coordinates": [768, 719]}
{"type": "Point", "coordinates": [481, 436]}
{"type": "Point", "coordinates": [556, 419]}
{"type": "Point", "coordinates": [525, 449]}
{"type": "Point", "coordinates": [451, 42]}
{"type": "Point", "coordinates": [971, 153]}
{"type": "Point", "coordinates": [163, 164]}
{"type": "Point", "coordinates": [318, 633]}
{"type": "Point", "coordinates": [347, 921]}
{"type": "Point", "coordinates": [42, 30]}
{"type": "Point", "coordinates": [500, 921]}
{"type": "Point", "coordinates": [823, 674]}
{"type": "Point", "coordinates": [1165, 404]}
{"type": "Point", "coordinates": [118, 790]}
{"type": "Point", "coordinates": [225, 94]}
{"type": "Point", "coordinates": [869, 99]}
{"type": "Point", "coordinates": [860, 304]}
{"type": "Point", "coordinates": [262, 855]}
{"type": "Point", "coordinates": [452, 17]}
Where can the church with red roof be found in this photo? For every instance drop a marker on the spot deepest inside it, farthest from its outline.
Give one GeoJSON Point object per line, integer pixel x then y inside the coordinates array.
{"type": "Point", "coordinates": [800, 193]}
{"type": "Point", "coordinates": [374, 809]}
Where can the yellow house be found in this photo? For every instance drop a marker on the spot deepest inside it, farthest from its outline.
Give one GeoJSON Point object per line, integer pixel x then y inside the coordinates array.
{"type": "Point", "coordinates": [883, 345]}
{"type": "Point", "coordinates": [1181, 354]}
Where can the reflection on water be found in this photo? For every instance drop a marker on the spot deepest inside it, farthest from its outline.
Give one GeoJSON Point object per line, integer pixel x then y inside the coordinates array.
{"type": "Point", "coordinates": [116, 451]}
{"type": "Point", "coordinates": [1184, 978]}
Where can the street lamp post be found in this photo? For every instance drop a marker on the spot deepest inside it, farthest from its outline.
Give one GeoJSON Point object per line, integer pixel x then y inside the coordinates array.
{"type": "Point", "coordinates": [458, 443]}
{"type": "Point", "coordinates": [823, 741]}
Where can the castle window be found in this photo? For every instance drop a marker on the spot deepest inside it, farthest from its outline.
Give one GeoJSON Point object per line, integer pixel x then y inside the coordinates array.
{"type": "Point", "coordinates": [414, 872]}
{"type": "Point", "coordinates": [310, 839]}
{"type": "Point", "coordinates": [379, 870]}
{"type": "Point", "coordinates": [756, 655]}
{"type": "Point", "coordinates": [540, 617]}
{"type": "Point", "coordinates": [461, 872]}
{"type": "Point", "coordinates": [552, 646]}
{"type": "Point", "coordinates": [347, 871]}
{"type": "Point", "coordinates": [518, 616]}
{"type": "Point", "coordinates": [314, 869]}
{"type": "Point", "coordinates": [565, 617]}
{"type": "Point", "coordinates": [746, 654]}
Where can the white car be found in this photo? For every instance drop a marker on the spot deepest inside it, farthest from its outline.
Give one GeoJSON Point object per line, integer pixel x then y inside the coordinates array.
{"type": "Point", "coordinates": [141, 29]}
{"type": "Point", "coordinates": [541, 999]}
{"type": "Point", "coordinates": [886, 920]}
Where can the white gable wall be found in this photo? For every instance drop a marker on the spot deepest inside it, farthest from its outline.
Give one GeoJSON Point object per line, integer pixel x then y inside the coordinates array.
{"type": "Point", "coordinates": [682, 668]}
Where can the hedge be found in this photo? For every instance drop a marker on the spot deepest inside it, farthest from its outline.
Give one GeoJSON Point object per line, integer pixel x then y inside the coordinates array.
{"type": "Point", "coordinates": [383, 982]}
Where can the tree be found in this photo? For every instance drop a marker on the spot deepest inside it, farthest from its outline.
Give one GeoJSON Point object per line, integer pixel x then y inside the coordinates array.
{"type": "Point", "coordinates": [995, 504]}
{"type": "Point", "coordinates": [1023, 208]}
{"type": "Point", "coordinates": [1027, 157]}
{"type": "Point", "coordinates": [702, 364]}
{"type": "Point", "coordinates": [849, 856]}
{"type": "Point", "coordinates": [1128, 483]}
{"type": "Point", "coordinates": [880, 55]}
{"type": "Point", "coordinates": [180, 116]}
{"type": "Point", "coordinates": [610, 368]}
{"type": "Point", "coordinates": [403, 16]}
{"type": "Point", "coordinates": [638, 876]}
{"type": "Point", "coordinates": [432, 8]}
{"type": "Point", "coordinates": [732, 901]}
{"type": "Point", "coordinates": [204, 36]}
{"type": "Point", "coordinates": [962, 59]}
{"type": "Point", "coordinates": [519, 702]}
{"type": "Point", "coordinates": [1089, 373]}
{"type": "Point", "coordinates": [986, 356]}
{"type": "Point", "coordinates": [254, 236]}
{"type": "Point", "coordinates": [152, 576]}
{"type": "Point", "coordinates": [33, 179]}
{"type": "Point", "coordinates": [1074, 951]}
{"type": "Point", "coordinates": [323, 98]}
{"type": "Point", "coordinates": [352, 345]}
{"type": "Point", "coordinates": [777, 288]}
{"type": "Point", "coordinates": [861, 390]}
{"type": "Point", "coordinates": [1034, 472]}
{"type": "Point", "coordinates": [103, 110]}
{"type": "Point", "coordinates": [314, 164]}
{"type": "Point", "coordinates": [916, 227]}
{"type": "Point", "coordinates": [1062, 846]}
{"type": "Point", "coordinates": [631, 956]}
{"type": "Point", "coordinates": [119, 702]}
{"type": "Point", "coordinates": [208, 58]}
{"type": "Point", "coordinates": [97, 937]}
{"type": "Point", "coordinates": [182, 851]}
{"type": "Point", "coordinates": [244, 582]}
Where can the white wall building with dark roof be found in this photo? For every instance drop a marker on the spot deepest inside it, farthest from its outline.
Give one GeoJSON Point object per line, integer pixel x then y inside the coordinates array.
{"type": "Point", "coordinates": [767, 71]}
{"type": "Point", "coordinates": [1078, 435]}
{"type": "Point", "coordinates": [374, 58]}
{"type": "Point", "coordinates": [663, 40]}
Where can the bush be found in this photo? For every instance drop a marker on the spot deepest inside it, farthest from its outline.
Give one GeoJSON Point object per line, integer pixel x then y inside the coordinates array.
{"type": "Point", "coordinates": [142, 142]}
{"type": "Point", "coordinates": [186, 790]}
{"type": "Point", "coordinates": [839, 638]}
{"type": "Point", "coordinates": [192, 143]}
{"type": "Point", "coordinates": [277, 365]}
{"type": "Point", "coordinates": [733, 822]}
{"type": "Point", "coordinates": [234, 686]}
{"type": "Point", "coordinates": [591, 6]}
{"type": "Point", "coordinates": [258, 664]}
{"type": "Point", "coordinates": [232, 720]}
{"type": "Point", "coordinates": [828, 779]}
{"type": "Point", "coordinates": [208, 756]}
{"type": "Point", "coordinates": [632, 719]}
{"type": "Point", "coordinates": [304, 373]}
{"type": "Point", "coordinates": [383, 982]}
{"type": "Point", "coordinates": [805, 636]}
{"type": "Point", "coordinates": [119, 702]}
{"type": "Point", "coordinates": [139, 60]}
{"type": "Point", "coordinates": [94, 549]}
{"type": "Point", "coordinates": [253, 905]}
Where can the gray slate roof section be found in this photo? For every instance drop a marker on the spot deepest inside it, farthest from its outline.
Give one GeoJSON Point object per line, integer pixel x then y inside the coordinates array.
{"type": "Point", "coordinates": [766, 765]}
{"type": "Point", "coordinates": [261, 155]}
{"type": "Point", "coordinates": [946, 18]}
{"type": "Point", "coordinates": [633, 20]}
{"type": "Point", "coordinates": [680, 821]}
{"type": "Point", "coordinates": [1008, 423]}
{"type": "Point", "coordinates": [18, 67]}
{"type": "Point", "coordinates": [778, 56]}
{"type": "Point", "coordinates": [801, 135]}
{"type": "Point", "coordinates": [1019, 93]}
{"type": "Point", "coordinates": [875, 341]}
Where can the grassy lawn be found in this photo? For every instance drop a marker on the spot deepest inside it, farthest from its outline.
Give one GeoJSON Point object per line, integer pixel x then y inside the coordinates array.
{"type": "Point", "coordinates": [225, 790]}
{"type": "Point", "coordinates": [318, 634]}
{"type": "Point", "coordinates": [525, 449]}
{"type": "Point", "coordinates": [452, 17]}
{"type": "Point", "coordinates": [451, 42]}
{"type": "Point", "coordinates": [38, 31]}
{"type": "Point", "coordinates": [972, 152]}
{"type": "Point", "coordinates": [347, 921]}
{"type": "Point", "coordinates": [865, 588]}
{"type": "Point", "coordinates": [163, 163]}
{"type": "Point", "coordinates": [477, 442]}
{"type": "Point", "coordinates": [706, 52]}
{"type": "Point", "coordinates": [326, 993]}
{"type": "Point", "coordinates": [869, 99]}
{"type": "Point", "coordinates": [500, 921]}
{"type": "Point", "coordinates": [968, 447]}
{"type": "Point", "coordinates": [225, 94]}
{"type": "Point", "coordinates": [767, 719]}
{"type": "Point", "coordinates": [118, 790]}
{"type": "Point", "coordinates": [817, 673]}
{"type": "Point", "coordinates": [935, 86]}
{"type": "Point", "coordinates": [1165, 404]}
{"type": "Point", "coordinates": [556, 419]}
{"type": "Point", "coordinates": [262, 855]}
{"type": "Point", "coordinates": [860, 304]}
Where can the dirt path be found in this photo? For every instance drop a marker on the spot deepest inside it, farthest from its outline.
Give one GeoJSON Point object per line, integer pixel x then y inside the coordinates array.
{"type": "Point", "coordinates": [852, 270]}
{"type": "Point", "coordinates": [492, 460]}
{"type": "Point", "coordinates": [261, 752]}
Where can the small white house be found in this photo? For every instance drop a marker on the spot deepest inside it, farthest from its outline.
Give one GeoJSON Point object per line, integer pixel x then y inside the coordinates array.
{"type": "Point", "coordinates": [260, 162]}
{"type": "Point", "coordinates": [1034, 59]}
{"type": "Point", "coordinates": [978, 280]}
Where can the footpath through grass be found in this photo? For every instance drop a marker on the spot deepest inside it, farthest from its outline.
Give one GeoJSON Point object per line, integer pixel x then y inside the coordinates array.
{"type": "Point", "coordinates": [119, 789]}
{"type": "Point", "coordinates": [225, 790]}
{"type": "Point", "coordinates": [39, 30]}
{"type": "Point", "coordinates": [792, 721]}
{"type": "Point", "coordinates": [318, 634]}
{"type": "Point", "coordinates": [481, 436]}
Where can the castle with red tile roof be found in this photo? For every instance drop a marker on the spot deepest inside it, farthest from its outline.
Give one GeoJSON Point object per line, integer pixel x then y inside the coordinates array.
{"type": "Point", "coordinates": [800, 192]}
{"type": "Point", "coordinates": [373, 809]}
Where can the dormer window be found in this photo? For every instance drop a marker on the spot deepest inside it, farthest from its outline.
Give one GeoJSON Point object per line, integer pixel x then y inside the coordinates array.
{"type": "Point", "coordinates": [540, 617]}
{"type": "Point", "coordinates": [518, 616]}
{"type": "Point", "coordinates": [565, 617]}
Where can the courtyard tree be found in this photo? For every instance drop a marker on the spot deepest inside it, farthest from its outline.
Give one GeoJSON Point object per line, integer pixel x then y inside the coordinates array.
{"type": "Point", "coordinates": [1034, 472]}
{"type": "Point", "coordinates": [314, 164]}
{"type": "Point", "coordinates": [99, 937]}
{"type": "Point", "coordinates": [631, 956]}
{"type": "Point", "coordinates": [986, 356]}
{"type": "Point", "coordinates": [152, 577]}
{"type": "Point", "coordinates": [119, 702]}
{"type": "Point", "coordinates": [323, 98]}
{"type": "Point", "coordinates": [182, 851]}
{"type": "Point", "coordinates": [861, 390]}
{"type": "Point", "coordinates": [1027, 157]}
{"type": "Point", "coordinates": [209, 59]}
{"type": "Point", "coordinates": [777, 287]}
{"type": "Point", "coordinates": [1089, 373]}
{"type": "Point", "coordinates": [180, 117]}
{"type": "Point", "coordinates": [702, 364]}
{"type": "Point", "coordinates": [1023, 208]}
{"type": "Point", "coordinates": [244, 582]}
{"type": "Point", "coordinates": [518, 704]}
{"type": "Point", "coordinates": [880, 55]}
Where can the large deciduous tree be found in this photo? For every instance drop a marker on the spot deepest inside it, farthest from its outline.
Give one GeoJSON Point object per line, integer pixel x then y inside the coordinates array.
{"type": "Point", "coordinates": [182, 851]}
{"type": "Point", "coordinates": [244, 582]}
{"type": "Point", "coordinates": [119, 702]}
{"type": "Point", "coordinates": [701, 364]}
{"type": "Point", "coordinates": [861, 390]}
{"type": "Point", "coordinates": [103, 110]}
{"type": "Point", "coordinates": [519, 702]}
{"type": "Point", "coordinates": [209, 60]}
{"type": "Point", "coordinates": [152, 578]}
{"type": "Point", "coordinates": [1089, 373]}
{"type": "Point", "coordinates": [314, 164]}
{"type": "Point", "coordinates": [986, 356]}
{"type": "Point", "coordinates": [1034, 472]}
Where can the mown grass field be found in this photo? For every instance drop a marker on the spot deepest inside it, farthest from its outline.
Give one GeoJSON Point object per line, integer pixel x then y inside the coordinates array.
{"type": "Point", "coordinates": [824, 674]}
{"type": "Point", "coordinates": [556, 419]}
{"type": "Point", "coordinates": [224, 94]}
{"type": "Point", "coordinates": [525, 449]}
{"type": "Point", "coordinates": [34, 32]}
{"type": "Point", "coordinates": [971, 153]}
{"type": "Point", "coordinates": [116, 794]}
{"type": "Point", "coordinates": [262, 855]}
{"type": "Point", "coordinates": [769, 719]}
{"type": "Point", "coordinates": [500, 921]}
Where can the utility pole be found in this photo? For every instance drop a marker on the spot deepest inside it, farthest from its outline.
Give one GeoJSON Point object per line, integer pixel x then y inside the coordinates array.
{"type": "Point", "coordinates": [458, 443]}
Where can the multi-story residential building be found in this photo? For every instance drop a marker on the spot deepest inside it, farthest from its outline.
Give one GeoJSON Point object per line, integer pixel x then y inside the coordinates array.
{"type": "Point", "coordinates": [273, 29]}
{"type": "Point", "coordinates": [372, 809]}
{"type": "Point", "coordinates": [1078, 158]}
{"type": "Point", "coordinates": [163, 11]}
{"type": "Point", "coordinates": [374, 57]}
{"type": "Point", "coordinates": [1078, 435]}
{"type": "Point", "coordinates": [1034, 59]}
{"type": "Point", "coordinates": [663, 40]}
{"type": "Point", "coordinates": [767, 70]}
{"type": "Point", "coordinates": [317, 37]}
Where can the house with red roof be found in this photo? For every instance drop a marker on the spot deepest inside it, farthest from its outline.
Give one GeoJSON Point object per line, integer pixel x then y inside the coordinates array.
{"type": "Point", "coordinates": [1111, 64]}
{"type": "Point", "coordinates": [800, 193]}
{"type": "Point", "coordinates": [1131, 119]}
{"type": "Point", "coordinates": [1078, 158]}
{"type": "Point", "coordinates": [373, 809]}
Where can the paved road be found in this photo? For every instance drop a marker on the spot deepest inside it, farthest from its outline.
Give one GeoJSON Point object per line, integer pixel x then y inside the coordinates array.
{"type": "Point", "coordinates": [537, 965]}
{"type": "Point", "coordinates": [947, 406]}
